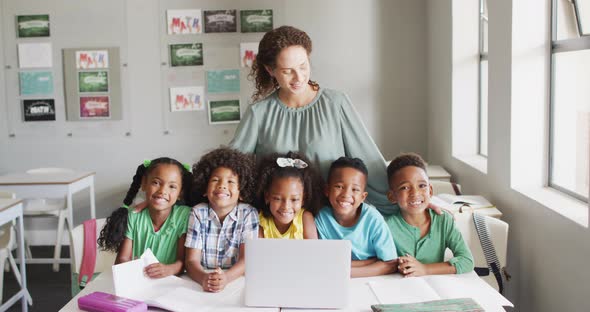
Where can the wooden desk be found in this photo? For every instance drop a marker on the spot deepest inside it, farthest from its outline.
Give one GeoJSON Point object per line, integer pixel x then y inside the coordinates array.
{"type": "Point", "coordinates": [51, 185]}
{"type": "Point", "coordinates": [361, 295]}
{"type": "Point", "coordinates": [12, 209]}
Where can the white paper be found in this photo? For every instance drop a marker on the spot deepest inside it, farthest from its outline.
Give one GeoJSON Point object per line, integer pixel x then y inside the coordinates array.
{"type": "Point", "coordinates": [468, 285]}
{"type": "Point", "coordinates": [404, 290]}
{"type": "Point", "coordinates": [435, 287]}
{"type": "Point", "coordinates": [248, 52]}
{"type": "Point", "coordinates": [172, 292]}
{"type": "Point", "coordinates": [35, 55]}
{"type": "Point", "coordinates": [475, 201]}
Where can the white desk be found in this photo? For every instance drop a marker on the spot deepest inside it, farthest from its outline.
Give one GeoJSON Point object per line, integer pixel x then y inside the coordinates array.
{"type": "Point", "coordinates": [12, 209]}
{"type": "Point", "coordinates": [361, 295]}
{"type": "Point", "coordinates": [51, 185]}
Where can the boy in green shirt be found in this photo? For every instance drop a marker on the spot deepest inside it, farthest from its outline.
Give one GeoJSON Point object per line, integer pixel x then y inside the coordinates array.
{"type": "Point", "coordinates": [421, 236]}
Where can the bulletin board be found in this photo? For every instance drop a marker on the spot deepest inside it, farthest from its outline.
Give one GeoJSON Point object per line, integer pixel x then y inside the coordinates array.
{"type": "Point", "coordinates": [221, 57]}
{"type": "Point", "coordinates": [37, 55]}
{"type": "Point", "coordinates": [92, 83]}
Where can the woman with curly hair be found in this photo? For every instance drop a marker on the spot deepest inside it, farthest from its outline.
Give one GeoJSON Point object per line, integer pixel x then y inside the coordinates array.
{"type": "Point", "coordinates": [293, 113]}
{"type": "Point", "coordinates": [288, 197]}
{"type": "Point", "coordinates": [219, 226]}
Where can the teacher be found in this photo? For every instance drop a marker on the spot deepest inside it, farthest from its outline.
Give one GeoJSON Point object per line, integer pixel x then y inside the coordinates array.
{"type": "Point", "coordinates": [293, 113]}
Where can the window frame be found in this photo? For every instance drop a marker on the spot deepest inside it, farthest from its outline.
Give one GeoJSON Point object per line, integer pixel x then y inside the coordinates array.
{"type": "Point", "coordinates": [578, 22]}
{"type": "Point", "coordinates": [483, 57]}
{"type": "Point", "coordinates": [561, 46]}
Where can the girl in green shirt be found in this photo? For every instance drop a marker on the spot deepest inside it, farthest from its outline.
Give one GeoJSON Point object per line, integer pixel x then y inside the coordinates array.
{"type": "Point", "coordinates": [161, 227]}
{"type": "Point", "coordinates": [420, 235]}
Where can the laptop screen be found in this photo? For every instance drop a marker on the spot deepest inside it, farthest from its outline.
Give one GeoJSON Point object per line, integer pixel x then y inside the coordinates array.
{"type": "Point", "coordinates": [297, 273]}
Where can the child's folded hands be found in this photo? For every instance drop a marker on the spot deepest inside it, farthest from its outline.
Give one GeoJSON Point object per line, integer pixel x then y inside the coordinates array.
{"type": "Point", "coordinates": [215, 281]}
{"type": "Point", "coordinates": [409, 266]}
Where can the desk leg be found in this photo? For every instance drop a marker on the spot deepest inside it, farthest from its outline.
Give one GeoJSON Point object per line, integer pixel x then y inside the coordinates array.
{"type": "Point", "coordinates": [70, 208]}
{"type": "Point", "coordinates": [92, 201]}
{"type": "Point", "coordinates": [21, 255]}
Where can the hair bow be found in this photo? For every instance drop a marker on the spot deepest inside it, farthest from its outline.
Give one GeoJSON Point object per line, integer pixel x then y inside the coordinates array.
{"type": "Point", "coordinates": [187, 167]}
{"type": "Point", "coordinates": [147, 163]}
{"type": "Point", "coordinates": [290, 162]}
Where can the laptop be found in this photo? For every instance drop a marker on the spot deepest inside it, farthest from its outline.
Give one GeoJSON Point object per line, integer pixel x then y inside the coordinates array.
{"type": "Point", "coordinates": [291, 273]}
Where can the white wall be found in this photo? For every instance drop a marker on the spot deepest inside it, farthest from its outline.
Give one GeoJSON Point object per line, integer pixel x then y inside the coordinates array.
{"type": "Point", "coordinates": [547, 253]}
{"type": "Point", "coordinates": [373, 50]}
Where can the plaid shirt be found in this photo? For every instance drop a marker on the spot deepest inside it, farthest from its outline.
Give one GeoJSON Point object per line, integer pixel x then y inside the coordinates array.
{"type": "Point", "coordinates": [220, 243]}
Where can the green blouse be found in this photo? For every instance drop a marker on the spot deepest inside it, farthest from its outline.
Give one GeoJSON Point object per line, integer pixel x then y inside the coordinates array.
{"type": "Point", "coordinates": [324, 130]}
{"type": "Point", "coordinates": [431, 248]}
{"type": "Point", "coordinates": [164, 242]}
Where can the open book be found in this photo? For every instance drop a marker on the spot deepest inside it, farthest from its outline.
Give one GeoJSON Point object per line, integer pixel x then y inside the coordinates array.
{"type": "Point", "coordinates": [436, 287]}
{"type": "Point", "coordinates": [172, 292]}
{"type": "Point", "coordinates": [474, 201]}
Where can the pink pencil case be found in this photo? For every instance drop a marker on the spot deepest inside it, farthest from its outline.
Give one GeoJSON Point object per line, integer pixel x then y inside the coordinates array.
{"type": "Point", "coordinates": [99, 301]}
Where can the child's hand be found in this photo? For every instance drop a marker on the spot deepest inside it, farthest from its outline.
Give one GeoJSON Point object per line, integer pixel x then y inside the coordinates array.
{"type": "Point", "coordinates": [215, 281]}
{"type": "Point", "coordinates": [158, 270]}
{"type": "Point", "coordinates": [409, 266]}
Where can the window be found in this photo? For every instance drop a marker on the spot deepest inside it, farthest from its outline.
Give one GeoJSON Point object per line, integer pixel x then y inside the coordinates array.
{"type": "Point", "coordinates": [569, 140]}
{"type": "Point", "coordinates": [469, 117]}
{"type": "Point", "coordinates": [483, 80]}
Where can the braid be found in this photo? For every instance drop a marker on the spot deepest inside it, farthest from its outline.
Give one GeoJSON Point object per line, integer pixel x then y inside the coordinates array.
{"type": "Point", "coordinates": [135, 185]}
{"type": "Point", "coordinates": [113, 232]}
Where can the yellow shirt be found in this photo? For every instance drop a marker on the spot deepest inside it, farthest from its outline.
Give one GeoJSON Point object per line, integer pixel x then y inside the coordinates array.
{"type": "Point", "coordinates": [270, 230]}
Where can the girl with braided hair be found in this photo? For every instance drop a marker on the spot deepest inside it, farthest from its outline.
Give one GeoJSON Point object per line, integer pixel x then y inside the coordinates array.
{"type": "Point", "coordinates": [161, 227]}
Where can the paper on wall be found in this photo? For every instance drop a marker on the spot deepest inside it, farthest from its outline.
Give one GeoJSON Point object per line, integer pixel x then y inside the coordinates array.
{"type": "Point", "coordinates": [34, 55]}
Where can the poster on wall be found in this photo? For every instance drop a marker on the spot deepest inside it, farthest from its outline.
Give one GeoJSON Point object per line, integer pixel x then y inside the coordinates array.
{"type": "Point", "coordinates": [186, 54]}
{"type": "Point", "coordinates": [92, 59]}
{"type": "Point", "coordinates": [35, 55]}
{"type": "Point", "coordinates": [39, 110]}
{"type": "Point", "coordinates": [181, 22]}
{"type": "Point", "coordinates": [35, 82]}
{"type": "Point", "coordinates": [32, 26]}
{"type": "Point", "coordinates": [248, 52]}
{"type": "Point", "coordinates": [255, 20]}
{"type": "Point", "coordinates": [223, 81]}
{"type": "Point", "coordinates": [220, 21]}
{"type": "Point", "coordinates": [186, 99]}
{"type": "Point", "coordinates": [224, 112]}
{"type": "Point", "coordinates": [94, 107]}
{"type": "Point", "coordinates": [93, 81]}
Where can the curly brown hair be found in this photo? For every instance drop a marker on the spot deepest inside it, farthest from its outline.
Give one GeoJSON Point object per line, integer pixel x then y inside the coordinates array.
{"type": "Point", "coordinates": [269, 48]}
{"type": "Point", "coordinates": [405, 160]}
{"type": "Point", "coordinates": [240, 163]}
{"type": "Point", "coordinates": [268, 171]}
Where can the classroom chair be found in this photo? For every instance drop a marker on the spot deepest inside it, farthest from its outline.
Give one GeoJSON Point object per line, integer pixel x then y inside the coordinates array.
{"type": "Point", "coordinates": [103, 260]}
{"type": "Point", "coordinates": [7, 244]}
{"type": "Point", "coordinates": [498, 234]}
{"type": "Point", "coordinates": [49, 207]}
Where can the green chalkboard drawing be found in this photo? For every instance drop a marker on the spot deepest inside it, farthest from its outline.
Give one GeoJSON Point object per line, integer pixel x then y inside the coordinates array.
{"type": "Point", "coordinates": [223, 81]}
{"type": "Point", "coordinates": [186, 54]}
{"type": "Point", "coordinates": [32, 26]}
{"type": "Point", "coordinates": [256, 20]}
{"type": "Point", "coordinates": [221, 112]}
{"type": "Point", "coordinates": [36, 82]}
{"type": "Point", "coordinates": [93, 81]}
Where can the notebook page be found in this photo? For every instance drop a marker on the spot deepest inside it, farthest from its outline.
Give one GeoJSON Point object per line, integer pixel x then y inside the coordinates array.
{"type": "Point", "coordinates": [185, 299]}
{"type": "Point", "coordinates": [403, 290]}
{"type": "Point", "coordinates": [468, 285]}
